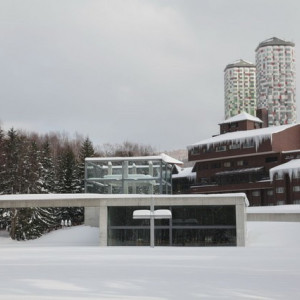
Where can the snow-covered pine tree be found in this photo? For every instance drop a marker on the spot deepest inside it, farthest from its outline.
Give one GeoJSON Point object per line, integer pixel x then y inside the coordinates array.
{"type": "Point", "coordinates": [47, 170]}
{"type": "Point", "coordinates": [32, 223]}
{"type": "Point", "coordinates": [4, 212]}
{"type": "Point", "coordinates": [86, 150]}
{"type": "Point", "coordinates": [30, 166]}
{"type": "Point", "coordinates": [12, 149]}
{"type": "Point", "coordinates": [24, 177]}
{"type": "Point", "coordinates": [67, 181]}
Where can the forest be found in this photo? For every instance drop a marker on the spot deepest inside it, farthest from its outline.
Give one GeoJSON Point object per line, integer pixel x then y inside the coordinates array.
{"type": "Point", "coordinates": [32, 163]}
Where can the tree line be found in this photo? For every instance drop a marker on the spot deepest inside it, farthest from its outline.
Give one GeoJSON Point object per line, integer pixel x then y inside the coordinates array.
{"type": "Point", "coordinates": [49, 163]}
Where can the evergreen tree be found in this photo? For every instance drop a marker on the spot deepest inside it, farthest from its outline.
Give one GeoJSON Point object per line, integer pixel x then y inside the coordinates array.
{"type": "Point", "coordinates": [12, 147]}
{"type": "Point", "coordinates": [2, 162]}
{"type": "Point", "coordinates": [86, 150]}
{"type": "Point", "coordinates": [47, 170]}
{"type": "Point", "coordinates": [30, 166]}
{"type": "Point", "coordinates": [68, 182]}
{"type": "Point", "coordinates": [31, 223]}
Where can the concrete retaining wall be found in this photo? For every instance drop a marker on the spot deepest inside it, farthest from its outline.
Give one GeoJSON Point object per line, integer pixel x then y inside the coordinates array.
{"type": "Point", "coordinates": [274, 217]}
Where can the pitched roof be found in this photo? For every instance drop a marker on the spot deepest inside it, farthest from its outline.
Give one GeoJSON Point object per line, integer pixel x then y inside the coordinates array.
{"type": "Point", "coordinates": [170, 160]}
{"type": "Point", "coordinates": [240, 63]}
{"type": "Point", "coordinates": [274, 41]}
{"type": "Point", "coordinates": [242, 117]}
{"type": "Point", "coordinates": [185, 172]}
{"type": "Point", "coordinates": [255, 135]}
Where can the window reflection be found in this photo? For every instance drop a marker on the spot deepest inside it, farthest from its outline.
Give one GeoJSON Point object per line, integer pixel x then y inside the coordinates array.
{"type": "Point", "coordinates": [190, 226]}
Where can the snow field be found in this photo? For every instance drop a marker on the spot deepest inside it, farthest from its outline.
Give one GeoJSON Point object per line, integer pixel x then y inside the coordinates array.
{"type": "Point", "coordinates": [61, 266]}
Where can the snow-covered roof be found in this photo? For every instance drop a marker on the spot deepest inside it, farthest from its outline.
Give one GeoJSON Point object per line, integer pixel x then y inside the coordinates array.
{"type": "Point", "coordinates": [242, 117]}
{"type": "Point", "coordinates": [93, 200]}
{"type": "Point", "coordinates": [291, 151]}
{"type": "Point", "coordinates": [170, 160]}
{"type": "Point", "coordinates": [292, 168]}
{"type": "Point", "coordinates": [281, 209]}
{"type": "Point", "coordinates": [185, 172]}
{"type": "Point", "coordinates": [166, 158]}
{"type": "Point", "coordinates": [255, 135]}
{"type": "Point", "coordinates": [240, 171]}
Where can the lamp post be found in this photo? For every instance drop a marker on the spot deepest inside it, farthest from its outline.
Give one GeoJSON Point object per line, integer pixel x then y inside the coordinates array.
{"type": "Point", "coordinates": [152, 215]}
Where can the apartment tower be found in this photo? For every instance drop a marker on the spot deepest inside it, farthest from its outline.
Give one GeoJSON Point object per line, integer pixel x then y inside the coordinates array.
{"type": "Point", "coordinates": [240, 88]}
{"type": "Point", "coordinates": [275, 82]}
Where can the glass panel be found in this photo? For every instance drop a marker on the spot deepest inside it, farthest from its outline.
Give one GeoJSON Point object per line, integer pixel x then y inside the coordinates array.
{"type": "Point", "coordinates": [128, 176]}
{"type": "Point", "coordinates": [137, 237]}
{"type": "Point", "coordinates": [204, 237]}
{"type": "Point", "coordinates": [189, 226]}
{"type": "Point", "coordinates": [203, 215]}
{"type": "Point", "coordinates": [128, 237]}
{"type": "Point", "coordinates": [162, 237]}
{"type": "Point", "coordinates": [123, 216]}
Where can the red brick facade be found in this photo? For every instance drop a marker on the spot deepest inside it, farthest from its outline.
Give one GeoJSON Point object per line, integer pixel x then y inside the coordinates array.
{"type": "Point", "coordinates": [221, 169]}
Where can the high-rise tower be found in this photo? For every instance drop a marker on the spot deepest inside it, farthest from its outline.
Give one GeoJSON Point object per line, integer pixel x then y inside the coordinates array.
{"type": "Point", "coordinates": [275, 81]}
{"type": "Point", "coordinates": [239, 88]}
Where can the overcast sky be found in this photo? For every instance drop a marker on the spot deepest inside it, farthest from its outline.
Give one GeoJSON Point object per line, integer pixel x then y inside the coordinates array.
{"type": "Point", "coordinates": [145, 71]}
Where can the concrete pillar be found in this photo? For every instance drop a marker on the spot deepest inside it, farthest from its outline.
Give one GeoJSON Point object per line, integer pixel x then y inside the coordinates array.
{"type": "Point", "coordinates": [133, 184]}
{"type": "Point", "coordinates": [109, 172]}
{"type": "Point", "coordinates": [151, 174]}
{"type": "Point", "coordinates": [91, 216]}
{"type": "Point", "coordinates": [103, 225]}
{"type": "Point", "coordinates": [240, 211]}
{"type": "Point", "coordinates": [125, 177]}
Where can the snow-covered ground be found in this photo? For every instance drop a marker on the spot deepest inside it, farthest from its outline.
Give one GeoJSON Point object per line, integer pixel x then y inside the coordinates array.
{"type": "Point", "coordinates": [67, 264]}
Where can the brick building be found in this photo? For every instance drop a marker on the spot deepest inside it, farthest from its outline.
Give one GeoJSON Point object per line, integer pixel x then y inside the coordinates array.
{"type": "Point", "coordinates": [242, 158]}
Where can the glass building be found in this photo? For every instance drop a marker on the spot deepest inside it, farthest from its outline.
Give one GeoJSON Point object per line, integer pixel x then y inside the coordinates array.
{"type": "Point", "coordinates": [128, 175]}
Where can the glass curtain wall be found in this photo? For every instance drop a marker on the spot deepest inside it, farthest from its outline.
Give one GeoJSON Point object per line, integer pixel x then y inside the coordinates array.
{"type": "Point", "coordinates": [128, 176]}
{"type": "Point", "coordinates": [189, 226]}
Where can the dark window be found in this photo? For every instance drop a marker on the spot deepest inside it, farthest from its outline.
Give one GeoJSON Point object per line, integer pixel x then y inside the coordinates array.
{"type": "Point", "coordinates": [203, 215]}
{"type": "Point", "coordinates": [195, 150]}
{"type": "Point", "coordinates": [216, 165]}
{"type": "Point", "coordinates": [233, 125]}
{"type": "Point", "coordinates": [271, 159]}
{"type": "Point", "coordinates": [202, 166]}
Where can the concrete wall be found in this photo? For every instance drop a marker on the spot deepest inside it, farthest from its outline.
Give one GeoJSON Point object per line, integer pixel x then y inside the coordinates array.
{"type": "Point", "coordinates": [91, 216]}
{"type": "Point", "coordinates": [274, 217]}
{"type": "Point", "coordinates": [178, 200]}
{"type": "Point", "coordinates": [96, 205]}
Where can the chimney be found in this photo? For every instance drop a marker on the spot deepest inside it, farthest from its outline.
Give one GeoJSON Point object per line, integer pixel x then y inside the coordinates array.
{"type": "Point", "coordinates": [262, 113]}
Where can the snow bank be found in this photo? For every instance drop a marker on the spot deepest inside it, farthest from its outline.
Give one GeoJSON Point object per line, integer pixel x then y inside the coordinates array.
{"type": "Point", "coordinates": [68, 236]}
{"type": "Point", "coordinates": [268, 268]}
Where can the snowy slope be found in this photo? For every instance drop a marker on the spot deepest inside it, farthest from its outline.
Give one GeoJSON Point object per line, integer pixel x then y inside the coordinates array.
{"type": "Point", "coordinates": [70, 236]}
{"type": "Point", "coordinates": [268, 268]}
